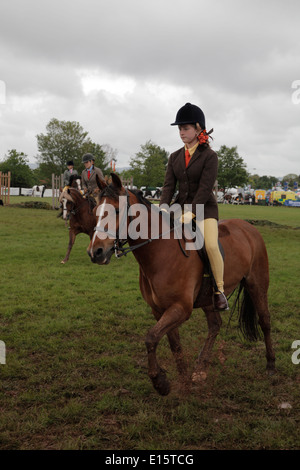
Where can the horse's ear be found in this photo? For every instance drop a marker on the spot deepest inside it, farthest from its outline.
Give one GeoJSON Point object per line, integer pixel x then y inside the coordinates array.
{"type": "Point", "coordinates": [101, 183]}
{"type": "Point", "coordinates": [117, 183]}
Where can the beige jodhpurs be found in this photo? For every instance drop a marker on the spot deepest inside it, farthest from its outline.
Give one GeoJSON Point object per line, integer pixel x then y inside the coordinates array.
{"type": "Point", "coordinates": [209, 230]}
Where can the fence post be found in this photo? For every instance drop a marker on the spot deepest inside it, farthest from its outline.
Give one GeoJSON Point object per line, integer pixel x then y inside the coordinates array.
{"type": "Point", "coordinates": [5, 187]}
{"type": "Point", "coordinates": [128, 182]}
{"type": "Point", "coordinates": [57, 183]}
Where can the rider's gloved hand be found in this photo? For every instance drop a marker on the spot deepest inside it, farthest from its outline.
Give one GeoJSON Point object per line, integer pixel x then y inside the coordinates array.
{"type": "Point", "coordinates": [186, 217]}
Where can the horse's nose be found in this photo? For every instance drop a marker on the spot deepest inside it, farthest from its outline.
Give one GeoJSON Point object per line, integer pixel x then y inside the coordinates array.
{"type": "Point", "coordinates": [95, 254]}
{"type": "Point", "coordinates": [98, 252]}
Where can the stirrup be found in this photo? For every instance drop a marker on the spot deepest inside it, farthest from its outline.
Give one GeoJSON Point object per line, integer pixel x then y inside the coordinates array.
{"type": "Point", "coordinates": [220, 301]}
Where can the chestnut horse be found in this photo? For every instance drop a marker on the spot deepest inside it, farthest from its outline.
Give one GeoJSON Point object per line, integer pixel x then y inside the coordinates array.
{"type": "Point", "coordinates": [171, 280]}
{"type": "Point", "coordinates": [79, 210]}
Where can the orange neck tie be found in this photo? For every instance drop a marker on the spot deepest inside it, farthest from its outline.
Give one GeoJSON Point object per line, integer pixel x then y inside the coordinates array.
{"type": "Point", "coordinates": [187, 157]}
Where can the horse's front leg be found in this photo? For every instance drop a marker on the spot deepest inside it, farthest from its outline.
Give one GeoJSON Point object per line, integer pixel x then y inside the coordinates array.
{"type": "Point", "coordinates": [176, 348]}
{"type": "Point", "coordinates": [72, 236]}
{"type": "Point", "coordinates": [214, 323]}
{"type": "Point", "coordinates": [171, 319]}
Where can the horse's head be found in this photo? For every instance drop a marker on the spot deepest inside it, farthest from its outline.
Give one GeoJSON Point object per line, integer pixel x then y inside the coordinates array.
{"type": "Point", "coordinates": [69, 199]}
{"type": "Point", "coordinates": [78, 182]}
{"type": "Point", "coordinates": [64, 197]}
{"type": "Point", "coordinates": [111, 213]}
{"type": "Point", "coordinates": [75, 182]}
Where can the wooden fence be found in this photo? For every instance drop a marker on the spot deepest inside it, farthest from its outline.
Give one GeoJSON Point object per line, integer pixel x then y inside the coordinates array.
{"type": "Point", "coordinates": [128, 182]}
{"type": "Point", "coordinates": [57, 185]}
{"type": "Point", "coordinates": [5, 187]}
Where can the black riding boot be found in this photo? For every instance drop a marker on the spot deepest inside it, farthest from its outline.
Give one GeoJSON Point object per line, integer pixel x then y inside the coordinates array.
{"type": "Point", "coordinates": [220, 301]}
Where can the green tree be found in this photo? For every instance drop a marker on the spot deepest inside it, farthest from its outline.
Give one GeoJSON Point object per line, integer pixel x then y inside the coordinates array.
{"type": "Point", "coordinates": [21, 173]}
{"type": "Point", "coordinates": [148, 167]}
{"type": "Point", "coordinates": [262, 182]}
{"type": "Point", "coordinates": [291, 178]}
{"type": "Point", "coordinates": [232, 168]}
{"type": "Point", "coordinates": [63, 141]}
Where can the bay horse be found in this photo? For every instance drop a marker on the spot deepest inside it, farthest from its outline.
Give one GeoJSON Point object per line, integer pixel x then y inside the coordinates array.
{"type": "Point", "coordinates": [75, 182]}
{"type": "Point", "coordinates": [172, 281]}
{"type": "Point", "coordinates": [79, 210]}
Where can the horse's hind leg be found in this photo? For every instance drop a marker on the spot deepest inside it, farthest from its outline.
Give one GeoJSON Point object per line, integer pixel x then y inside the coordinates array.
{"type": "Point", "coordinates": [175, 345]}
{"type": "Point", "coordinates": [258, 293]}
{"type": "Point", "coordinates": [214, 323]}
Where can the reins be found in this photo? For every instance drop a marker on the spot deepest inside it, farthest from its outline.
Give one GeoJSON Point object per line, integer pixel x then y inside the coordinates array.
{"type": "Point", "coordinates": [119, 244]}
{"type": "Point", "coordinates": [75, 208]}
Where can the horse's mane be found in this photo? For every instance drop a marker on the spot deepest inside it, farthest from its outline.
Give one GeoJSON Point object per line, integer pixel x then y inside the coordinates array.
{"type": "Point", "coordinates": [141, 198]}
{"type": "Point", "coordinates": [77, 194]}
{"type": "Point", "coordinates": [75, 191]}
{"type": "Point", "coordinates": [110, 191]}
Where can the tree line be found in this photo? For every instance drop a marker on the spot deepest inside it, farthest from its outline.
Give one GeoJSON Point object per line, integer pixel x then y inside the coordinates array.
{"type": "Point", "coordinates": [67, 140]}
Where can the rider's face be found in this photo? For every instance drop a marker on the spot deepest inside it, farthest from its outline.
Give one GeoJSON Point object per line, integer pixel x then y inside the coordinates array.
{"type": "Point", "coordinates": [188, 134]}
{"type": "Point", "coordinates": [88, 164]}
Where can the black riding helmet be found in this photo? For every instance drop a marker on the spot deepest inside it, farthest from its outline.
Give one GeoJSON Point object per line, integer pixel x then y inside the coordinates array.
{"type": "Point", "coordinates": [87, 157]}
{"type": "Point", "coordinates": [189, 114]}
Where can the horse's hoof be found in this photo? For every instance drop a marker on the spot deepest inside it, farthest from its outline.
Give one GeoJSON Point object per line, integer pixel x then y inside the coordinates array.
{"type": "Point", "coordinates": [199, 377]}
{"type": "Point", "coordinates": [161, 383]}
{"type": "Point", "coordinates": [270, 371]}
{"type": "Point", "coordinates": [62, 262]}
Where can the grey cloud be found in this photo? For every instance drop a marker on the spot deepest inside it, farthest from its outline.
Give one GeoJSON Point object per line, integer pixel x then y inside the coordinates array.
{"type": "Point", "coordinates": [237, 60]}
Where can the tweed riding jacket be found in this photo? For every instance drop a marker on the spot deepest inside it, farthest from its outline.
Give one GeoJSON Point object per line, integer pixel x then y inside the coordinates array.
{"type": "Point", "coordinates": [196, 181]}
{"type": "Point", "coordinates": [91, 184]}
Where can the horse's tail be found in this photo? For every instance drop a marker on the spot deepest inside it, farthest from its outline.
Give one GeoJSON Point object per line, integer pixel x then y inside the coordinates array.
{"type": "Point", "coordinates": [247, 317]}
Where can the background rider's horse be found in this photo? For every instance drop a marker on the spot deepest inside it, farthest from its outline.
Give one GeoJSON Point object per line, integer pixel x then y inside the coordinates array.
{"type": "Point", "coordinates": [170, 283]}
{"type": "Point", "coordinates": [79, 211]}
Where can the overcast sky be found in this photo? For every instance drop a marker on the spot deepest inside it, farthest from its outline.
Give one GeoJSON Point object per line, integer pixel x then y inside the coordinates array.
{"type": "Point", "coordinates": [123, 68]}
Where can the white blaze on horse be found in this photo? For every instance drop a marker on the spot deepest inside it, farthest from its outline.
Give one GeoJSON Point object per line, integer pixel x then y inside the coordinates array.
{"type": "Point", "coordinates": [63, 201]}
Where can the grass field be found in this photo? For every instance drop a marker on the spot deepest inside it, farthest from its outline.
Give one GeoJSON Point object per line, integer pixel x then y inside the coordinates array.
{"type": "Point", "coordinates": [76, 368]}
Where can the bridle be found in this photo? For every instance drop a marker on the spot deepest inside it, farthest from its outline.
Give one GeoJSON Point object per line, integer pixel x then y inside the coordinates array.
{"type": "Point", "coordinates": [119, 243]}
{"type": "Point", "coordinates": [74, 207]}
